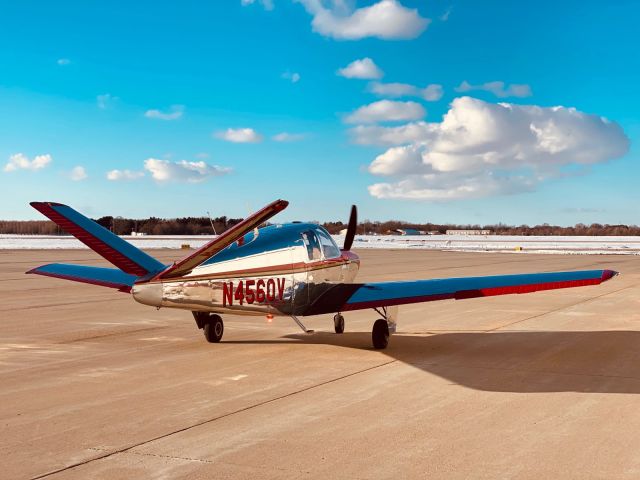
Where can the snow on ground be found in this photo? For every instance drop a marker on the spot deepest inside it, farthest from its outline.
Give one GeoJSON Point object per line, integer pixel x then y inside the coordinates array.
{"type": "Point", "coordinates": [467, 243]}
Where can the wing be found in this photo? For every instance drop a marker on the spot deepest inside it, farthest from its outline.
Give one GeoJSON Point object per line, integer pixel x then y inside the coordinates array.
{"type": "Point", "coordinates": [343, 297]}
{"type": "Point", "coordinates": [204, 253]}
{"type": "Point", "coordinates": [105, 277]}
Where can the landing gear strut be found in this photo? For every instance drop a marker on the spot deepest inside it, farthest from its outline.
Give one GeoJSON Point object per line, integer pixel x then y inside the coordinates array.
{"type": "Point", "coordinates": [383, 327]}
{"type": "Point", "coordinates": [211, 325]}
{"type": "Point", "coordinates": [338, 323]}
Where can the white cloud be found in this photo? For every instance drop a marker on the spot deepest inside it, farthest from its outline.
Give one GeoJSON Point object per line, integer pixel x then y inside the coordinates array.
{"type": "Point", "coordinates": [63, 61]}
{"type": "Point", "coordinates": [445, 16]}
{"type": "Point", "coordinates": [288, 137]}
{"type": "Point", "coordinates": [183, 171]}
{"type": "Point", "coordinates": [387, 111]}
{"type": "Point", "coordinates": [78, 173]}
{"type": "Point", "coordinates": [365, 68]}
{"type": "Point", "coordinates": [266, 4]}
{"type": "Point", "coordinates": [400, 135]}
{"type": "Point", "coordinates": [105, 101]}
{"type": "Point", "coordinates": [430, 93]}
{"type": "Point", "coordinates": [386, 19]}
{"type": "Point", "coordinates": [175, 113]}
{"type": "Point", "coordinates": [498, 89]}
{"type": "Point", "coordinates": [481, 149]}
{"type": "Point", "coordinates": [292, 77]}
{"type": "Point", "coordinates": [20, 161]}
{"type": "Point", "coordinates": [239, 135]}
{"type": "Point", "coordinates": [117, 175]}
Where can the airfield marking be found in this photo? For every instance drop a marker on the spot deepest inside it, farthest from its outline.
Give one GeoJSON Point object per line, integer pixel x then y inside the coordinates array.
{"type": "Point", "coordinates": [204, 422]}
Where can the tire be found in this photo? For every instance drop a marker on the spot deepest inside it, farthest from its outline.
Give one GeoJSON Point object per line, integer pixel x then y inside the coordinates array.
{"type": "Point", "coordinates": [338, 323]}
{"type": "Point", "coordinates": [380, 334]}
{"type": "Point", "coordinates": [213, 329]}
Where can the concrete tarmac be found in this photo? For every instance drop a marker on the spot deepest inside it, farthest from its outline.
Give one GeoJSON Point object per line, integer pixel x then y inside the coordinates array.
{"type": "Point", "coordinates": [545, 385]}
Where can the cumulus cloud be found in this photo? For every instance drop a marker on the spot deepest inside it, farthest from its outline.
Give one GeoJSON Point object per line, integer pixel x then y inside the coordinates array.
{"type": "Point", "coordinates": [386, 111]}
{"type": "Point", "coordinates": [105, 101]}
{"type": "Point", "coordinates": [266, 4]}
{"type": "Point", "coordinates": [164, 171]}
{"type": "Point", "coordinates": [481, 149]}
{"type": "Point", "coordinates": [498, 89]}
{"type": "Point", "coordinates": [175, 112]}
{"type": "Point", "coordinates": [19, 161]}
{"type": "Point", "coordinates": [127, 175]}
{"type": "Point", "coordinates": [239, 135]}
{"type": "Point", "coordinates": [288, 137]}
{"type": "Point", "coordinates": [402, 134]}
{"type": "Point", "coordinates": [430, 93]}
{"type": "Point", "coordinates": [63, 61]}
{"type": "Point", "coordinates": [293, 77]}
{"type": "Point", "coordinates": [78, 173]}
{"type": "Point", "coordinates": [365, 68]}
{"type": "Point", "coordinates": [386, 19]}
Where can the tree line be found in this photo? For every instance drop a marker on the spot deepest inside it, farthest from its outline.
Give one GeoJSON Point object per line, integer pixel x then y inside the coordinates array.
{"type": "Point", "coordinates": [202, 226]}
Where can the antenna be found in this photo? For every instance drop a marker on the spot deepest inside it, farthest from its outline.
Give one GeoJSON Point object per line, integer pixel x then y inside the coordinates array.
{"type": "Point", "coordinates": [211, 221]}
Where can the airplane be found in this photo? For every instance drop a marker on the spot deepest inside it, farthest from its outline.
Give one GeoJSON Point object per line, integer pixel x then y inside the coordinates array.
{"type": "Point", "coordinates": [293, 269]}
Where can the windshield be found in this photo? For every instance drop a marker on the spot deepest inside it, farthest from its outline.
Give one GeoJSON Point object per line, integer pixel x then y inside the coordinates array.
{"type": "Point", "coordinates": [329, 247]}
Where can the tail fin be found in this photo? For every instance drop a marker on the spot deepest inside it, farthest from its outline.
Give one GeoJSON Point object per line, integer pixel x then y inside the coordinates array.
{"type": "Point", "coordinates": [122, 254]}
{"type": "Point", "coordinates": [222, 241]}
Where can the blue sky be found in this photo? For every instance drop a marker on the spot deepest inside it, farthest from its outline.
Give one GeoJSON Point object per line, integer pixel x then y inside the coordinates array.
{"type": "Point", "coordinates": [151, 93]}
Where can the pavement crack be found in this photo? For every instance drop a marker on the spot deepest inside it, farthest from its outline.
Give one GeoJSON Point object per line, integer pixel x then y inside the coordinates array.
{"type": "Point", "coordinates": [108, 454]}
{"type": "Point", "coordinates": [158, 455]}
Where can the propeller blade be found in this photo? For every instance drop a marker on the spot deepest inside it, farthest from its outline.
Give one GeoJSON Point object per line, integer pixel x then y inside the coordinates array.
{"type": "Point", "coordinates": [351, 228]}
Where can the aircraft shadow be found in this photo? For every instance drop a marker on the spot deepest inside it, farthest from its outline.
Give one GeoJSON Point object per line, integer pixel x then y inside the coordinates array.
{"type": "Point", "coordinates": [521, 362]}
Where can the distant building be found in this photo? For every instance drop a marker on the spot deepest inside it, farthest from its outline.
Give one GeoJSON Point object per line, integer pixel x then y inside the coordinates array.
{"type": "Point", "coordinates": [469, 232]}
{"type": "Point", "coordinates": [407, 231]}
{"type": "Point", "coordinates": [138, 234]}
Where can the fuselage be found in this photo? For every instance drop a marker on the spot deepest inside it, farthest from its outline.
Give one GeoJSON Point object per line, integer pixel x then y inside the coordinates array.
{"type": "Point", "coordinates": [278, 270]}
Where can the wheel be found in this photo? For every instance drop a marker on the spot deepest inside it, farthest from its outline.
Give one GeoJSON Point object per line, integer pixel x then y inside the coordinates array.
{"type": "Point", "coordinates": [380, 334]}
{"type": "Point", "coordinates": [213, 329]}
{"type": "Point", "coordinates": [338, 323]}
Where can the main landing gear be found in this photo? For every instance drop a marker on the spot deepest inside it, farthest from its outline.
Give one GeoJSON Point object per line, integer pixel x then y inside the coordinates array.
{"type": "Point", "coordinates": [211, 325]}
{"type": "Point", "coordinates": [338, 323]}
{"type": "Point", "coordinates": [383, 327]}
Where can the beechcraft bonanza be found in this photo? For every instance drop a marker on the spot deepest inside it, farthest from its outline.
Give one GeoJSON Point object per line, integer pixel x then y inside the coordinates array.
{"type": "Point", "coordinates": [294, 270]}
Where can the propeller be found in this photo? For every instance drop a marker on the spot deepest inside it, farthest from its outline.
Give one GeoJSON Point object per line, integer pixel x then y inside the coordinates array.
{"type": "Point", "coordinates": [351, 228]}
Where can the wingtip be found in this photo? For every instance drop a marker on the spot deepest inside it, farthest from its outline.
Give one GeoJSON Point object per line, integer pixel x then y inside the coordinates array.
{"type": "Point", "coordinates": [38, 270]}
{"type": "Point", "coordinates": [608, 274]}
{"type": "Point", "coordinates": [281, 204]}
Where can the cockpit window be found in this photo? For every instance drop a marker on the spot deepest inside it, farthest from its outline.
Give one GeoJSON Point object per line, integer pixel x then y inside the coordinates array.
{"type": "Point", "coordinates": [329, 247]}
{"type": "Point", "coordinates": [313, 245]}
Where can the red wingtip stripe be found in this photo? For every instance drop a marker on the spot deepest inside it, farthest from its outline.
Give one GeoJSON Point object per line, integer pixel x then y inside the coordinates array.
{"type": "Point", "coordinates": [608, 274]}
